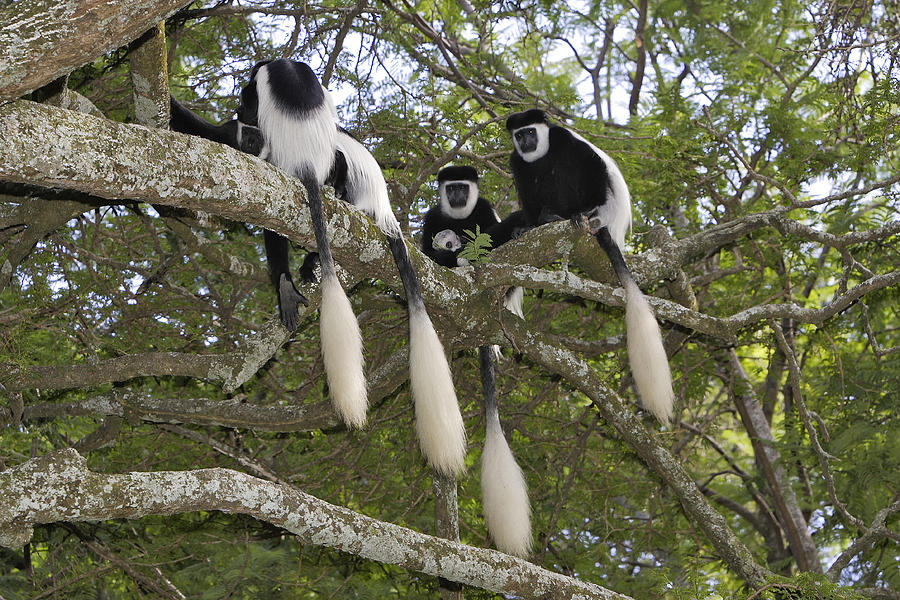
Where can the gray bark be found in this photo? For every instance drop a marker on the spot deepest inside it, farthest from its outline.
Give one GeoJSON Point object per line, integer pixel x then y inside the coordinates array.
{"type": "Point", "coordinates": [59, 487]}
{"type": "Point", "coordinates": [46, 39]}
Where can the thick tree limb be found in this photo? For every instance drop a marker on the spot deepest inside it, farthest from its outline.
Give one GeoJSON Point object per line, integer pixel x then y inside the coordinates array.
{"type": "Point", "coordinates": [790, 515]}
{"type": "Point", "coordinates": [236, 413]}
{"type": "Point", "coordinates": [41, 40]}
{"type": "Point", "coordinates": [54, 148]}
{"type": "Point", "coordinates": [150, 78]}
{"type": "Point", "coordinates": [59, 487]}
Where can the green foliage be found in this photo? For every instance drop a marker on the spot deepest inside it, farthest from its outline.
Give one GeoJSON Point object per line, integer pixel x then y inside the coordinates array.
{"type": "Point", "coordinates": [744, 107]}
{"type": "Point", "coordinates": [477, 246]}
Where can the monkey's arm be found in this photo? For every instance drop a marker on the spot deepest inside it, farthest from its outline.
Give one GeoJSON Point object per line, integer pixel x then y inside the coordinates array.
{"type": "Point", "coordinates": [183, 120]}
{"type": "Point", "coordinates": [510, 227]}
{"type": "Point", "coordinates": [446, 258]}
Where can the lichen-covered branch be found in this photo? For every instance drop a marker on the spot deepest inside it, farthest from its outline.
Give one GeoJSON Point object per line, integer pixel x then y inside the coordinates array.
{"type": "Point", "coordinates": [59, 487]}
{"type": "Point", "coordinates": [150, 78]}
{"type": "Point", "coordinates": [231, 368]}
{"type": "Point", "coordinates": [236, 413]}
{"type": "Point", "coordinates": [41, 40]}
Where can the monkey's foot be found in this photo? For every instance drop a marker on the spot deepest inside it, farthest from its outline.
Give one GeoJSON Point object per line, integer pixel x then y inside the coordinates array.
{"type": "Point", "coordinates": [588, 221]}
{"type": "Point", "coordinates": [581, 222]}
{"type": "Point", "coordinates": [289, 300]}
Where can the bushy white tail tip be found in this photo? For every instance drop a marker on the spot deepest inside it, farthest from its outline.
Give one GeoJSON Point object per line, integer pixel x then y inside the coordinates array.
{"type": "Point", "coordinates": [342, 353]}
{"type": "Point", "coordinates": [504, 494]}
{"type": "Point", "coordinates": [647, 356]}
{"type": "Point", "coordinates": [439, 424]}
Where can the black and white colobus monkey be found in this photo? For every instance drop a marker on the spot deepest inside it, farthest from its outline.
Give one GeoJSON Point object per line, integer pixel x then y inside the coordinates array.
{"type": "Point", "coordinates": [460, 208]}
{"type": "Point", "coordinates": [559, 175]}
{"type": "Point", "coordinates": [504, 493]}
{"type": "Point", "coordinates": [296, 117]}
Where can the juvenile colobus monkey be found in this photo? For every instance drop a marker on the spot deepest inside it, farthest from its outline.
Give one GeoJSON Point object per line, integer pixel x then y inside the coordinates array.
{"type": "Point", "coordinates": [296, 117]}
{"type": "Point", "coordinates": [503, 490]}
{"type": "Point", "coordinates": [559, 175]}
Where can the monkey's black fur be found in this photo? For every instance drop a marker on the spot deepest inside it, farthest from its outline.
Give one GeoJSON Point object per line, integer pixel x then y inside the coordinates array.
{"type": "Point", "coordinates": [437, 220]}
{"type": "Point", "coordinates": [560, 175]}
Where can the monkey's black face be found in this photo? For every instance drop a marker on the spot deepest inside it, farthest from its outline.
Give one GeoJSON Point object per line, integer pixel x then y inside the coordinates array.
{"type": "Point", "coordinates": [526, 139]}
{"type": "Point", "coordinates": [457, 194]}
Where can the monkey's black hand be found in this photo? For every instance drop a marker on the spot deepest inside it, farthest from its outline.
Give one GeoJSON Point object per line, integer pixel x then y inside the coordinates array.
{"type": "Point", "coordinates": [252, 140]}
{"type": "Point", "coordinates": [308, 268]}
{"type": "Point", "coordinates": [289, 300]}
{"type": "Point", "coordinates": [580, 221]}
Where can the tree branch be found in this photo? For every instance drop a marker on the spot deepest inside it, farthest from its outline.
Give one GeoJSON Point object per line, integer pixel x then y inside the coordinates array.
{"type": "Point", "coordinates": [42, 40]}
{"type": "Point", "coordinates": [768, 458]}
{"type": "Point", "coordinates": [232, 369]}
{"type": "Point", "coordinates": [582, 377]}
{"type": "Point", "coordinates": [59, 487]}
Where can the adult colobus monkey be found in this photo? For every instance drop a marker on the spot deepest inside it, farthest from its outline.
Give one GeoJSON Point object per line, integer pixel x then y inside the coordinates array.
{"type": "Point", "coordinates": [460, 208]}
{"type": "Point", "coordinates": [503, 490]}
{"type": "Point", "coordinates": [297, 119]}
{"type": "Point", "coordinates": [558, 175]}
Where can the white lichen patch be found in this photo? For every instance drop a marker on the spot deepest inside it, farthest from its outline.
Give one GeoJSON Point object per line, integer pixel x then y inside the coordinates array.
{"type": "Point", "coordinates": [371, 252]}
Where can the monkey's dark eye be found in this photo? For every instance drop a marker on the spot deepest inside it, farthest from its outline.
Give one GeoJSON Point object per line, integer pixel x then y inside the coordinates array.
{"type": "Point", "coordinates": [526, 139]}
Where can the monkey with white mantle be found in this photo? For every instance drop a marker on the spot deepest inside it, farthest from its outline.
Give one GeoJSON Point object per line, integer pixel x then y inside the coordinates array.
{"type": "Point", "coordinates": [560, 175]}
{"type": "Point", "coordinates": [287, 118]}
{"type": "Point", "coordinates": [504, 493]}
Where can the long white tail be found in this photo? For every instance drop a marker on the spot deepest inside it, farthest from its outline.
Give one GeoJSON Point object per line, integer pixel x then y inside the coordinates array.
{"type": "Point", "coordinates": [442, 433]}
{"type": "Point", "coordinates": [504, 495]}
{"type": "Point", "coordinates": [342, 353]}
{"type": "Point", "coordinates": [646, 354]}
{"type": "Point", "coordinates": [439, 424]}
{"type": "Point", "coordinates": [649, 364]}
{"type": "Point", "coordinates": [342, 350]}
